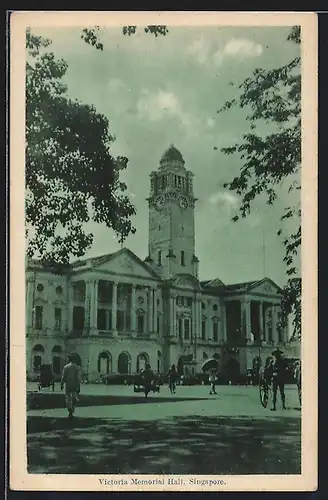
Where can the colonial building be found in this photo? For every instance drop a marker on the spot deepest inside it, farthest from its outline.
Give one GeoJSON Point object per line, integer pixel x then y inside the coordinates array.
{"type": "Point", "coordinates": [118, 312]}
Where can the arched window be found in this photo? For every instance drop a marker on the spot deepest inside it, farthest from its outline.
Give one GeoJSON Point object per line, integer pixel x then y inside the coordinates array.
{"type": "Point", "coordinates": [124, 363]}
{"type": "Point", "coordinates": [104, 363]}
{"type": "Point", "coordinates": [57, 350]}
{"type": "Point", "coordinates": [38, 348]}
{"type": "Point", "coordinates": [142, 359]}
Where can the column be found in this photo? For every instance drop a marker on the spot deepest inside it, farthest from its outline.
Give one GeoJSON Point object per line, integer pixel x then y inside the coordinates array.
{"type": "Point", "coordinates": [48, 312]}
{"type": "Point", "coordinates": [193, 318]}
{"type": "Point", "coordinates": [242, 330]}
{"type": "Point", "coordinates": [29, 303]}
{"type": "Point", "coordinates": [150, 310]}
{"type": "Point", "coordinates": [274, 324]}
{"type": "Point", "coordinates": [107, 325]}
{"type": "Point", "coordinates": [155, 310]}
{"type": "Point", "coordinates": [95, 301]}
{"type": "Point", "coordinates": [92, 304]}
{"type": "Point", "coordinates": [114, 308]}
{"type": "Point", "coordinates": [248, 319]}
{"type": "Point", "coordinates": [261, 321]}
{"type": "Point", "coordinates": [199, 318]}
{"type": "Point", "coordinates": [172, 314]}
{"type": "Point", "coordinates": [224, 322]}
{"type": "Point", "coordinates": [133, 308]}
{"type": "Point", "coordinates": [70, 305]}
{"type": "Point", "coordinates": [87, 307]}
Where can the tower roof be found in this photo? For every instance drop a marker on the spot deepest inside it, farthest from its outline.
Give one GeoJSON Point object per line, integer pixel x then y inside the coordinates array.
{"type": "Point", "coordinates": [172, 154]}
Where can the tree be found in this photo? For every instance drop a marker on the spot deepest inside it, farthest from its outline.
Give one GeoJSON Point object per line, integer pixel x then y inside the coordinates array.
{"type": "Point", "coordinates": [91, 35]}
{"type": "Point", "coordinates": [71, 177]}
{"type": "Point", "coordinates": [273, 97]}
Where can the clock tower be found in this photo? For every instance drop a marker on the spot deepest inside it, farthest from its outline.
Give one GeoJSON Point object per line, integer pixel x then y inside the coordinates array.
{"type": "Point", "coordinates": [171, 217]}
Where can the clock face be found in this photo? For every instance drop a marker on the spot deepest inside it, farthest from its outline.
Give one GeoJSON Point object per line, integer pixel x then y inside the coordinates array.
{"type": "Point", "coordinates": [183, 202]}
{"type": "Point", "coordinates": [159, 202]}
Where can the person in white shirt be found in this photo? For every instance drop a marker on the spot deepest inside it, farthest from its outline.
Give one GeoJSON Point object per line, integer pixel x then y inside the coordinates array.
{"type": "Point", "coordinates": [71, 379]}
{"type": "Point", "coordinates": [212, 380]}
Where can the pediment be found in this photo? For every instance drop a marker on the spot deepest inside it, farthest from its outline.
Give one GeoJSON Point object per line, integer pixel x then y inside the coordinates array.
{"type": "Point", "coordinates": [125, 262]}
{"type": "Point", "coordinates": [186, 281]}
{"type": "Point", "coordinates": [266, 286]}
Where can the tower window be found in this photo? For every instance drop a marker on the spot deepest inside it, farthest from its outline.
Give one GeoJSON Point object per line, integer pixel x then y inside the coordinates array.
{"type": "Point", "coordinates": [159, 227]}
{"type": "Point", "coordinates": [159, 258]}
{"type": "Point", "coordinates": [182, 258]}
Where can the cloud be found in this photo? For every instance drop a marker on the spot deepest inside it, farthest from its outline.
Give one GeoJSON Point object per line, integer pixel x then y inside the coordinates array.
{"type": "Point", "coordinates": [116, 85]}
{"type": "Point", "coordinates": [162, 105]}
{"type": "Point", "coordinates": [199, 50]}
{"type": "Point", "coordinates": [206, 52]}
{"type": "Point", "coordinates": [158, 105]}
{"type": "Point", "coordinates": [224, 201]}
{"type": "Point", "coordinates": [242, 47]}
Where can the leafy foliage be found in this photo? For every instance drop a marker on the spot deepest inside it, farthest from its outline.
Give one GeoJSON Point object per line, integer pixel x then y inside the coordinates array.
{"type": "Point", "coordinates": [71, 177]}
{"type": "Point", "coordinates": [92, 35]}
{"type": "Point", "coordinates": [272, 97]}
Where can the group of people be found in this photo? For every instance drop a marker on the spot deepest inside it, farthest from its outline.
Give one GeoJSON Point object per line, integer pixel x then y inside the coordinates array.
{"type": "Point", "coordinates": [274, 372]}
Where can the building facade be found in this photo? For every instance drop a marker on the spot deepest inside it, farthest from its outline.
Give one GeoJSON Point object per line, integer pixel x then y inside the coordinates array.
{"type": "Point", "coordinates": [118, 312]}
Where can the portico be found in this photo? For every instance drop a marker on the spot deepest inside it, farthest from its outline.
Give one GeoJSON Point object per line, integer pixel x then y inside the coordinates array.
{"type": "Point", "coordinates": [112, 307]}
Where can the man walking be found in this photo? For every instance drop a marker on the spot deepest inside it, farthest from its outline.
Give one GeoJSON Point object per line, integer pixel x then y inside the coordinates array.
{"type": "Point", "coordinates": [148, 378]}
{"type": "Point", "coordinates": [172, 378]}
{"type": "Point", "coordinates": [278, 378]}
{"type": "Point", "coordinates": [71, 378]}
{"type": "Point", "coordinates": [212, 380]}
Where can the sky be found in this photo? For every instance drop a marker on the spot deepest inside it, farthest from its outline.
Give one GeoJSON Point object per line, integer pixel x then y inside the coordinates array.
{"type": "Point", "coordinates": [167, 90]}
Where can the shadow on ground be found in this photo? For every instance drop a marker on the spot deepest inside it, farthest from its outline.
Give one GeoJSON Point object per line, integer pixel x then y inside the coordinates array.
{"type": "Point", "coordinates": [45, 401]}
{"type": "Point", "coordinates": [192, 445]}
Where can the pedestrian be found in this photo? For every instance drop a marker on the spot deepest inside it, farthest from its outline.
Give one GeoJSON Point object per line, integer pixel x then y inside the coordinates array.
{"type": "Point", "coordinates": [148, 378]}
{"type": "Point", "coordinates": [278, 378]}
{"type": "Point", "coordinates": [212, 380]}
{"type": "Point", "coordinates": [71, 379]}
{"type": "Point", "coordinates": [172, 378]}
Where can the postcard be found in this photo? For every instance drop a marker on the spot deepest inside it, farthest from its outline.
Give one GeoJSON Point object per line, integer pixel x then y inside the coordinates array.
{"type": "Point", "coordinates": [163, 292]}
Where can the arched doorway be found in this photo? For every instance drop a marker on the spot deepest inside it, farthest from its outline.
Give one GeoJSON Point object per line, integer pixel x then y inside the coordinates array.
{"type": "Point", "coordinates": [104, 363]}
{"type": "Point", "coordinates": [37, 357]}
{"type": "Point", "coordinates": [142, 360]}
{"type": "Point", "coordinates": [233, 370]}
{"type": "Point", "coordinates": [124, 363]}
{"type": "Point", "coordinates": [180, 366]}
{"type": "Point", "coordinates": [57, 359]}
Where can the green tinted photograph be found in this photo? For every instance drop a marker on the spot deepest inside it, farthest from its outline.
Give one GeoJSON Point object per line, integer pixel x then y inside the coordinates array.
{"type": "Point", "coordinates": [163, 238]}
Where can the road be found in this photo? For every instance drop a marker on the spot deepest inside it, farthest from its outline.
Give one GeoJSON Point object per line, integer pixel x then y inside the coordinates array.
{"type": "Point", "coordinates": [190, 432]}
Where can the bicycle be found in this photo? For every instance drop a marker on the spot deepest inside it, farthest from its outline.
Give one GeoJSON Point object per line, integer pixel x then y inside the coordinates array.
{"type": "Point", "coordinates": [265, 391]}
